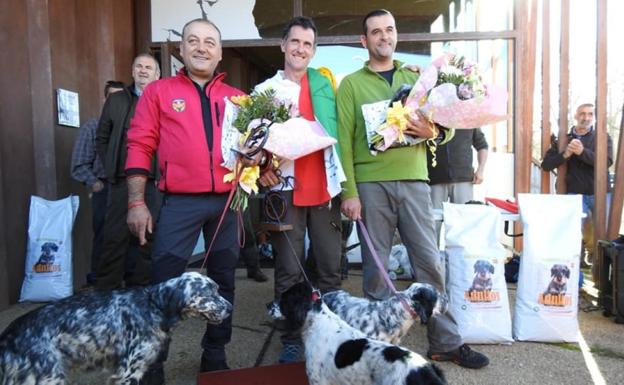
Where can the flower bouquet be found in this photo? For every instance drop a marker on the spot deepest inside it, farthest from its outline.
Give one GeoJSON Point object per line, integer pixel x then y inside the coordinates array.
{"type": "Point", "coordinates": [450, 92]}
{"type": "Point", "coordinates": [261, 121]}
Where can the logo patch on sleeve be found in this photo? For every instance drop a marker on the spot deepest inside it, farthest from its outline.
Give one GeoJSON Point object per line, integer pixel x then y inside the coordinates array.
{"type": "Point", "coordinates": [178, 105]}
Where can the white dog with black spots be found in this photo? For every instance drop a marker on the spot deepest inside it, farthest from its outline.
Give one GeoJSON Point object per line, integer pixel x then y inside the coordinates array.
{"type": "Point", "coordinates": [338, 354]}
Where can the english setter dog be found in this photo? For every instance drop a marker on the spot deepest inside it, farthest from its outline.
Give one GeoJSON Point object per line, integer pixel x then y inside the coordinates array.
{"type": "Point", "coordinates": [338, 354]}
{"type": "Point", "coordinates": [387, 320]}
{"type": "Point", "coordinates": [124, 330]}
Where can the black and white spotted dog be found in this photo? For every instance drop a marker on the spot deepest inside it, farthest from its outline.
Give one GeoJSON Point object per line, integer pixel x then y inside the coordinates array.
{"type": "Point", "coordinates": [121, 330]}
{"type": "Point", "coordinates": [338, 354]}
{"type": "Point", "coordinates": [387, 320]}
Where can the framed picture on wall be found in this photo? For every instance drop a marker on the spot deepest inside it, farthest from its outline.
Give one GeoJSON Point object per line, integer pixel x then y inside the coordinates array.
{"type": "Point", "coordinates": [68, 108]}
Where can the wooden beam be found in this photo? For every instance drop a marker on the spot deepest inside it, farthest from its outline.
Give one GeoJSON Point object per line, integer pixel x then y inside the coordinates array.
{"type": "Point", "coordinates": [564, 91]}
{"type": "Point", "coordinates": [355, 39]}
{"type": "Point", "coordinates": [617, 198]}
{"type": "Point", "coordinates": [42, 96]}
{"type": "Point", "coordinates": [600, 164]}
{"type": "Point", "coordinates": [525, 85]}
{"type": "Point", "coordinates": [297, 8]}
{"type": "Point", "coordinates": [545, 142]}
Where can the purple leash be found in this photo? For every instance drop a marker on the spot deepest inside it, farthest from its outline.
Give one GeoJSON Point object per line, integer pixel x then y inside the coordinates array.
{"type": "Point", "coordinates": [383, 271]}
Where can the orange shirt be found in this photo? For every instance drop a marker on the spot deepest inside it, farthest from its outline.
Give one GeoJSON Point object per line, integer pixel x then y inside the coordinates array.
{"type": "Point", "coordinates": [310, 180]}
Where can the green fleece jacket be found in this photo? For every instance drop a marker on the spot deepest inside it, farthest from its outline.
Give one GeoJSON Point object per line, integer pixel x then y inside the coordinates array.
{"type": "Point", "coordinates": [405, 163]}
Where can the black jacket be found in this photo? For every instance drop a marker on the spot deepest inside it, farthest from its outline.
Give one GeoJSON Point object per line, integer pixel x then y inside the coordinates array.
{"type": "Point", "coordinates": [580, 172]}
{"type": "Point", "coordinates": [111, 139]}
{"type": "Point", "coordinates": [454, 158]}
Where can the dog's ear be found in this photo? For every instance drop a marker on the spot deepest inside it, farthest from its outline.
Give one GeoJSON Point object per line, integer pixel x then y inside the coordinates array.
{"type": "Point", "coordinates": [553, 270]}
{"type": "Point", "coordinates": [566, 271]}
{"type": "Point", "coordinates": [170, 299]}
{"type": "Point", "coordinates": [476, 266]}
{"type": "Point", "coordinates": [491, 268]}
{"type": "Point", "coordinates": [295, 304]}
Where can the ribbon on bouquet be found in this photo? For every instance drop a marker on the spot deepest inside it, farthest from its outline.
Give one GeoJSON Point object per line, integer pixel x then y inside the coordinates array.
{"type": "Point", "coordinates": [383, 271]}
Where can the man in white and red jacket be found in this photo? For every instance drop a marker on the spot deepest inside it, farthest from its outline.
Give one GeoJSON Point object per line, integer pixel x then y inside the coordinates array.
{"type": "Point", "coordinates": [180, 118]}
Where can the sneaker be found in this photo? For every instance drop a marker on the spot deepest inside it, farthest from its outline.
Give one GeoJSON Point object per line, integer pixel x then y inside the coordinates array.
{"type": "Point", "coordinates": [291, 353]}
{"type": "Point", "coordinates": [462, 356]}
{"type": "Point", "coordinates": [274, 311]}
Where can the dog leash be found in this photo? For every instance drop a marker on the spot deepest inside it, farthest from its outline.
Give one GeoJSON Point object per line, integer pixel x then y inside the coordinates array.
{"type": "Point", "coordinates": [239, 219]}
{"type": "Point", "coordinates": [383, 271]}
{"type": "Point", "coordinates": [292, 248]}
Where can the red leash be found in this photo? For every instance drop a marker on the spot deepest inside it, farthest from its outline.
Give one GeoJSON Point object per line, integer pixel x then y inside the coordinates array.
{"type": "Point", "coordinates": [239, 219]}
{"type": "Point", "coordinates": [384, 273]}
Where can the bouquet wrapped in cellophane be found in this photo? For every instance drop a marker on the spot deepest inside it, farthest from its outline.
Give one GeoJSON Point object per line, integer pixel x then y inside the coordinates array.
{"type": "Point", "coordinates": [449, 92]}
{"type": "Point", "coordinates": [261, 121]}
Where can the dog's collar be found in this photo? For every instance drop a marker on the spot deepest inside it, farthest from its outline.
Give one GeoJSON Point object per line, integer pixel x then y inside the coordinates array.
{"type": "Point", "coordinates": [407, 306]}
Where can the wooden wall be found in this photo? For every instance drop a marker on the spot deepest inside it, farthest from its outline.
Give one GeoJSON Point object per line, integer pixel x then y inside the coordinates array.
{"type": "Point", "coordinates": [71, 44]}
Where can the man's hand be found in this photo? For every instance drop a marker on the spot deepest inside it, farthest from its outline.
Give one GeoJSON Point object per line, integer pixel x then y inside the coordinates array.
{"type": "Point", "coordinates": [477, 177]}
{"type": "Point", "coordinates": [140, 222]}
{"type": "Point", "coordinates": [575, 146]}
{"type": "Point", "coordinates": [97, 186]}
{"type": "Point", "coordinates": [418, 125]}
{"type": "Point", "coordinates": [352, 208]}
{"type": "Point", "coordinates": [269, 179]}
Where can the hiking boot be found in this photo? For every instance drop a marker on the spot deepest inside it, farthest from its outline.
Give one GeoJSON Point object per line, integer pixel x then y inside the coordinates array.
{"type": "Point", "coordinates": [210, 364]}
{"type": "Point", "coordinates": [274, 311]}
{"type": "Point", "coordinates": [257, 275]}
{"type": "Point", "coordinates": [291, 353]}
{"type": "Point", "coordinates": [462, 356]}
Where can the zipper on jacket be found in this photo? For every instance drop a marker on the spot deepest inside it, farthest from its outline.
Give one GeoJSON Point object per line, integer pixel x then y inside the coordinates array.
{"type": "Point", "coordinates": [164, 176]}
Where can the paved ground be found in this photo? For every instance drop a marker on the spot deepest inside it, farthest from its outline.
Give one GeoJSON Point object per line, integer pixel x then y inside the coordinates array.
{"type": "Point", "coordinates": [256, 343]}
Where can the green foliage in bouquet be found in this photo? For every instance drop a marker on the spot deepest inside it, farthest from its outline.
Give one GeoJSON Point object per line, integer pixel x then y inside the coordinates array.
{"type": "Point", "coordinates": [260, 105]}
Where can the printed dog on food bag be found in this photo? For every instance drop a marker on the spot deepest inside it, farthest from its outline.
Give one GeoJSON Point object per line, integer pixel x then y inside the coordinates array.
{"type": "Point", "coordinates": [482, 280]}
{"type": "Point", "coordinates": [125, 330]}
{"type": "Point", "coordinates": [48, 253]}
{"type": "Point", "coordinates": [559, 275]}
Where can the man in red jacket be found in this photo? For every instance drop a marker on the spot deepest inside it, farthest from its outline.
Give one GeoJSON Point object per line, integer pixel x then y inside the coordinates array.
{"type": "Point", "coordinates": [180, 118]}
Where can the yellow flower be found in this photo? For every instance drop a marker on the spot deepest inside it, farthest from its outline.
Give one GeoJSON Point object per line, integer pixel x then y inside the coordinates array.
{"type": "Point", "coordinates": [243, 100]}
{"type": "Point", "coordinates": [249, 178]}
{"type": "Point", "coordinates": [396, 117]}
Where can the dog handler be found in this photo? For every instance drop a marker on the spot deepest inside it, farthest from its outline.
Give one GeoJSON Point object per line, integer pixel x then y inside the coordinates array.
{"type": "Point", "coordinates": [180, 118]}
{"type": "Point", "coordinates": [390, 190]}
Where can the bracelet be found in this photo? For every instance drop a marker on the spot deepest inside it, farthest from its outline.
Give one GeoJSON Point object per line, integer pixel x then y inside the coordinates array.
{"type": "Point", "coordinates": [134, 204]}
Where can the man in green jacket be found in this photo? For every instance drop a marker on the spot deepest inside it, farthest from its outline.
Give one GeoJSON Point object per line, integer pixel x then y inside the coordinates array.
{"type": "Point", "coordinates": [389, 190]}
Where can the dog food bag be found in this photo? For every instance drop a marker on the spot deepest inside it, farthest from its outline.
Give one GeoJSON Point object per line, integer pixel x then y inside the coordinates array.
{"type": "Point", "coordinates": [48, 272]}
{"type": "Point", "coordinates": [476, 273]}
{"type": "Point", "coordinates": [548, 282]}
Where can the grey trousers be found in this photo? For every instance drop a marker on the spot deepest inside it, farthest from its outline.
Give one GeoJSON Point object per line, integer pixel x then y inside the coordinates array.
{"type": "Point", "coordinates": [405, 205]}
{"type": "Point", "coordinates": [323, 225]}
{"type": "Point", "coordinates": [460, 192]}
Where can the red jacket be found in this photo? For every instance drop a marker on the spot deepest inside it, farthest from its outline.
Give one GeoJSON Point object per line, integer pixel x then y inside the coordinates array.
{"type": "Point", "coordinates": [168, 119]}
